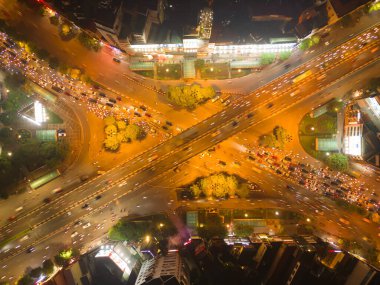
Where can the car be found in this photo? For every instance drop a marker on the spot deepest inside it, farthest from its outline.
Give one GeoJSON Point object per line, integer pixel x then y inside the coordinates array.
{"type": "Point", "coordinates": [250, 115]}
{"type": "Point", "coordinates": [30, 249]}
{"type": "Point", "coordinates": [85, 226]}
{"type": "Point", "coordinates": [85, 206]}
{"type": "Point", "coordinates": [11, 218]}
{"type": "Point", "coordinates": [165, 127]}
{"type": "Point", "coordinates": [74, 234]}
{"type": "Point", "coordinates": [109, 104]}
{"type": "Point", "coordinates": [137, 114]}
{"type": "Point", "coordinates": [287, 66]}
{"type": "Point", "coordinates": [234, 123]}
{"type": "Point", "coordinates": [290, 187]}
{"type": "Point", "coordinates": [118, 98]}
{"type": "Point", "coordinates": [47, 200]}
{"type": "Point", "coordinates": [221, 162]}
{"type": "Point", "coordinates": [67, 93]}
{"type": "Point", "coordinates": [57, 89]}
{"type": "Point", "coordinates": [148, 115]}
{"type": "Point", "coordinates": [169, 123]}
{"type": "Point", "coordinates": [92, 100]}
{"type": "Point", "coordinates": [61, 132]}
{"type": "Point", "coordinates": [98, 197]}
{"type": "Point", "coordinates": [176, 170]}
{"type": "Point", "coordinates": [101, 94]}
{"type": "Point", "coordinates": [112, 100]}
{"type": "Point", "coordinates": [116, 60]}
{"type": "Point", "coordinates": [270, 105]}
{"type": "Point", "coordinates": [227, 102]}
{"type": "Point", "coordinates": [142, 107]}
{"type": "Point", "coordinates": [77, 223]}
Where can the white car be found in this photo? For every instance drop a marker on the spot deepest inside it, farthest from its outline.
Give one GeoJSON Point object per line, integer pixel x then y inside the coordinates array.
{"type": "Point", "coordinates": [85, 226]}
{"type": "Point", "coordinates": [74, 234]}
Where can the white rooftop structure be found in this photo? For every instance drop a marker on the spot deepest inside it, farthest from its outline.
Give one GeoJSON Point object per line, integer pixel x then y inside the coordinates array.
{"type": "Point", "coordinates": [168, 269]}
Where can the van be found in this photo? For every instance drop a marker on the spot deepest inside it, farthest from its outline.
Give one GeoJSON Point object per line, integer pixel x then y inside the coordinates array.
{"type": "Point", "coordinates": [19, 209]}
{"type": "Point", "coordinates": [100, 172]}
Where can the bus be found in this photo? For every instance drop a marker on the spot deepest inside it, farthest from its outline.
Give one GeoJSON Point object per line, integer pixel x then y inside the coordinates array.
{"type": "Point", "coordinates": [302, 76]}
{"type": "Point", "coordinates": [44, 179]}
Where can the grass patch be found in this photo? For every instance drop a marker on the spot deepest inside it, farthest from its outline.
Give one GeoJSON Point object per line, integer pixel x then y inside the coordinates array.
{"type": "Point", "coordinates": [215, 71]}
{"type": "Point", "coordinates": [53, 118]}
{"type": "Point", "coordinates": [145, 73]}
{"type": "Point", "coordinates": [323, 125]}
{"type": "Point", "coordinates": [169, 71]}
{"type": "Point", "coordinates": [235, 73]}
{"type": "Point", "coordinates": [308, 144]}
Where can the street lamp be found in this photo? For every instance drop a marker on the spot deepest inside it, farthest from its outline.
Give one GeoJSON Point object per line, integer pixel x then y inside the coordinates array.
{"type": "Point", "coordinates": [161, 225]}
{"type": "Point", "coordinates": [9, 153]}
{"type": "Point", "coordinates": [147, 238]}
{"type": "Point", "coordinates": [167, 70]}
{"type": "Point", "coordinates": [246, 215]}
{"type": "Point", "coordinates": [239, 70]}
{"type": "Point", "coordinates": [308, 220]}
{"type": "Point", "coordinates": [212, 69]}
{"type": "Point", "coordinates": [312, 128]}
{"type": "Point", "coordinates": [277, 213]}
{"type": "Point", "coordinates": [327, 153]}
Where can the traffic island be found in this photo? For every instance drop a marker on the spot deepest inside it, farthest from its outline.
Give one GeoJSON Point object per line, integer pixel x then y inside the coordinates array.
{"type": "Point", "coordinates": [317, 131]}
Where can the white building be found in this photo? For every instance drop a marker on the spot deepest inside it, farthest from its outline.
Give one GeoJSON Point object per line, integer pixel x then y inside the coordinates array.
{"type": "Point", "coordinates": [353, 133]}
{"type": "Point", "coordinates": [168, 269]}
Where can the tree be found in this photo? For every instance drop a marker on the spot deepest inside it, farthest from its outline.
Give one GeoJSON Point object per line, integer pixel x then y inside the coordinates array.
{"type": "Point", "coordinates": [285, 55]}
{"type": "Point", "coordinates": [67, 31]}
{"type": "Point", "coordinates": [335, 106]}
{"type": "Point", "coordinates": [268, 141]}
{"type": "Point", "coordinates": [267, 58]}
{"type": "Point", "coordinates": [53, 62]}
{"type": "Point", "coordinates": [112, 143]}
{"type": "Point", "coordinates": [89, 42]}
{"type": "Point", "coordinates": [374, 84]}
{"type": "Point", "coordinates": [189, 96]}
{"type": "Point", "coordinates": [337, 161]}
{"type": "Point", "coordinates": [133, 132]}
{"type": "Point", "coordinates": [25, 280]}
{"type": "Point", "coordinates": [199, 64]}
{"type": "Point", "coordinates": [281, 134]}
{"type": "Point", "coordinates": [130, 231]}
{"type": "Point", "coordinates": [110, 130]}
{"type": "Point", "coordinates": [121, 125]}
{"type": "Point", "coordinates": [305, 44]}
{"type": "Point", "coordinates": [195, 190]}
{"type": "Point", "coordinates": [36, 272]}
{"type": "Point", "coordinates": [243, 230]}
{"type": "Point", "coordinates": [243, 191]}
{"type": "Point", "coordinates": [109, 121]}
{"type": "Point", "coordinates": [54, 20]}
{"type": "Point", "coordinates": [48, 267]}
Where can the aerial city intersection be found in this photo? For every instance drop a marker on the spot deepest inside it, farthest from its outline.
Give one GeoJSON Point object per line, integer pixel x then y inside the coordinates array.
{"type": "Point", "coordinates": [189, 142]}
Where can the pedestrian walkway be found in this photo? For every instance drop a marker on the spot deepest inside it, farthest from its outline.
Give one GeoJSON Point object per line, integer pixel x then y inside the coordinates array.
{"type": "Point", "coordinates": [189, 68]}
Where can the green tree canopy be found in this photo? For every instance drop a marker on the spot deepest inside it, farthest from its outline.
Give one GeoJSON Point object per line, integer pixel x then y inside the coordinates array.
{"type": "Point", "coordinates": [89, 42]}
{"type": "Point", "coordinates": [36, 272]}
{"type": "Point", "coordinates": [14, 80]}
{"type": "Point", "coordinates": [121, 125]}
{"type": "Point", "coordinates": [109, 121]}
{"type": "Point", "coordinates": [133, 132]}
{"type": "Point", "coordinates": [189, 96]}
{"type": "Point", "coordinates": [243, 191]}
{"type": "Point", "coordinates": [267, 58]}
{"type": "Point", "coordinates": [110, 130]}
{"type": "Point", "coordinates": [337, 161]}
{"type": "Point", "coordinates": [25, 280]}
{"type": "Point", "coordinates": [48, 267]}
{"type": "Point", "coordinates": [112, 143]}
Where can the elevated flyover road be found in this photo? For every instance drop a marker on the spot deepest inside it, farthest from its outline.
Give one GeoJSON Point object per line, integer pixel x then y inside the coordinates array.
{"type": "Point", "coordinates": [262, 104]}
